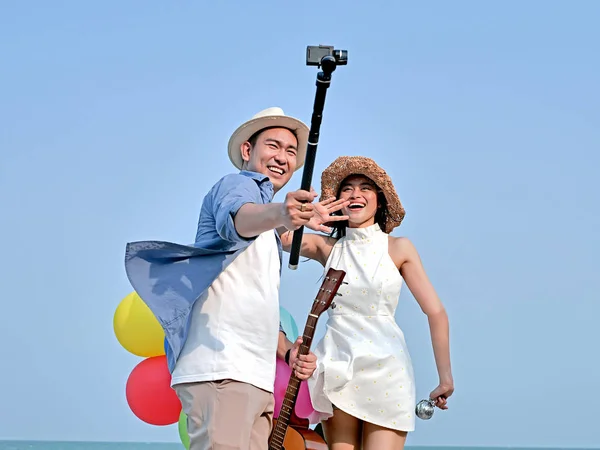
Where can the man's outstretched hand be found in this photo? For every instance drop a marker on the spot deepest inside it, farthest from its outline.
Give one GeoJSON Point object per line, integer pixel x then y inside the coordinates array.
{"type": "Point", "coordinates": [322, 214]}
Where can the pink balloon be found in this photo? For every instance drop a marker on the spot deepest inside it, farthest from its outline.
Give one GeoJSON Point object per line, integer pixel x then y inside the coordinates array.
{"type": "Point", "coordinates": [303, 406]}
{"type": "Point", "coordinates": [282, 378]}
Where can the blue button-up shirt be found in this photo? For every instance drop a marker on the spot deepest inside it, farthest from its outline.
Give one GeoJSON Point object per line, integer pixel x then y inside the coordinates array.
{"type": "Point", "coordinates": [170, 277]}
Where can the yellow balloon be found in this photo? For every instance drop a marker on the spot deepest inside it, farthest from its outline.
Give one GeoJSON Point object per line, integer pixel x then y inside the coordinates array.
{"type": "Point", "coordinates": [137, 329]}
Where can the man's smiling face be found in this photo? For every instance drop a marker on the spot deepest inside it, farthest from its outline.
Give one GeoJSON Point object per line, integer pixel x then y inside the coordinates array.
{"type": "Point", "coordinates": [273, 154]}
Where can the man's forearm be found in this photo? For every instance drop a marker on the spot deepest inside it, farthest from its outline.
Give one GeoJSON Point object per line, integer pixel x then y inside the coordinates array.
{"type": "Point", "coordinates": [283, 345]}
{"type": "Point", "coordinates": [253, 219]}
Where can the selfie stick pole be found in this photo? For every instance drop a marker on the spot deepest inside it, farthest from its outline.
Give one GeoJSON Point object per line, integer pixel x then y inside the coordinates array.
{"type": "Point", "coordinates": [328, 64]}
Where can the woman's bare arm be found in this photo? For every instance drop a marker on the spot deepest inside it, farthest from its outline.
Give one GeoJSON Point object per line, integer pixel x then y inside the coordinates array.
{"type": "Point", "coordinates": [407, 259]}
{"type": "Point", "coordinates": [314, 246]}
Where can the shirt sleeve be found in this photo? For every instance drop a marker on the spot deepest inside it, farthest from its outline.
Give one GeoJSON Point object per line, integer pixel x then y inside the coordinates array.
{"type": "Point", "coordinates": [232, 192]}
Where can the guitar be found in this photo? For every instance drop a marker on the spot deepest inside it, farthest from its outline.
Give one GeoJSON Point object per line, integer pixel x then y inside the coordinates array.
{"type": "Point", "coordinates": [291, 432]}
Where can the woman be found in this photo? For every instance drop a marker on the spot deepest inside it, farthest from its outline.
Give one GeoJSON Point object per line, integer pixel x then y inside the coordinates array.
{"type": "Point", "coordinates": [363, 390]}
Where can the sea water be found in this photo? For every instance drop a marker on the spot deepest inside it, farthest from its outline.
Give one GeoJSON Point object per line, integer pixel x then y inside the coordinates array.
{"type": "Point", "coordinates": [56, 445]}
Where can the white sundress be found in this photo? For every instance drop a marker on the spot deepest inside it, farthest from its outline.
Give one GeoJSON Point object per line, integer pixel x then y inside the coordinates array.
{"type": "Point", "coordinates": [364, 367]}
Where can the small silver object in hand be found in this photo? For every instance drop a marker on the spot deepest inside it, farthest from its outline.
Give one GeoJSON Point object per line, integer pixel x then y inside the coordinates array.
{"type": "Point", "coordinates": [424, 409]}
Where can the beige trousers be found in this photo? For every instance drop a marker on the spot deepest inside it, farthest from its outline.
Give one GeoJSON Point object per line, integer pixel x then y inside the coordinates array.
{"type": "Point", "coordinates": [226, 415]}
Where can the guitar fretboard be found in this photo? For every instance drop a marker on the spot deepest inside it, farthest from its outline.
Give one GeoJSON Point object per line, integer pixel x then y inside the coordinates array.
{"type": "Point", "coordinates": [291, 393]}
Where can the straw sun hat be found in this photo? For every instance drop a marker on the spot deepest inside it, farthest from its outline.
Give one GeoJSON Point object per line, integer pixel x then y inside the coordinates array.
{"type": "Point", "coordinates": [267, 118]}
{"type": "Point", "coordinates": [344, 166]}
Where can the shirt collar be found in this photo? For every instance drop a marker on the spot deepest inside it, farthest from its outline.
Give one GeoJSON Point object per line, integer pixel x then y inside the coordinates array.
{"type": "Point", "coordinates": [261, 177]}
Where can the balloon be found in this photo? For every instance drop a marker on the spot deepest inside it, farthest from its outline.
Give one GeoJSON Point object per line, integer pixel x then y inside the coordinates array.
{"type": "Point", "coordinates": [183, 433]}
{"type": "Point", "coordinates": [149, 393]}
{"type": "Point", "coordinates": [136, 328]}
{"type": "Point", "coordinates": [303, 406]}
{"type": "Point", "coordinates": [288, 323]}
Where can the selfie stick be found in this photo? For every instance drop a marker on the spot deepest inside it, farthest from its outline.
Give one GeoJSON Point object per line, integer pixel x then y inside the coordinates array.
{"type": "Point", "coordinates": [328, 63]}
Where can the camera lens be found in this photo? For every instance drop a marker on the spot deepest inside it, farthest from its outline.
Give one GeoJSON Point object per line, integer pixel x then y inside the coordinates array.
{"type": "Point", "coordinates": [341, 56]}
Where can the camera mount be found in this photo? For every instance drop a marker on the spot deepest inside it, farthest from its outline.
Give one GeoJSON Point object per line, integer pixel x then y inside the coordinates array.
{"type": "Point", "coordinates": [326, 58]}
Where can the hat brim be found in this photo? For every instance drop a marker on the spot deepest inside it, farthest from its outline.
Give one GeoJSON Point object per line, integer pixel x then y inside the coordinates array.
{"type": "Point", "coordinates": [246, 130]}
{"type": "Point", "coordinates": [344, 166]}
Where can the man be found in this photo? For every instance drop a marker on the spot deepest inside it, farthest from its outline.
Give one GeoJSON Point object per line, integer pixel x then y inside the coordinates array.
{"type": "Point", "coordinates": [218, 300]}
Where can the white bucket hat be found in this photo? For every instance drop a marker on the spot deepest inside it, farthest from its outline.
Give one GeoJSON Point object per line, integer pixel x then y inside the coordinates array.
{"type": "Point", "coordinates": [270, 117]}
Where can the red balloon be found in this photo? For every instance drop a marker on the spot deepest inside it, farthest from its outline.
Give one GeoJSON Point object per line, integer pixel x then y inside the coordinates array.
{"type": "Point", "coordinates": [149, 393]}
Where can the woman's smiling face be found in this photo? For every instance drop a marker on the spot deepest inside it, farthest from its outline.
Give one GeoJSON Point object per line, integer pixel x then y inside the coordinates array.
{"type": "Point", "coordinates": [361, 192]}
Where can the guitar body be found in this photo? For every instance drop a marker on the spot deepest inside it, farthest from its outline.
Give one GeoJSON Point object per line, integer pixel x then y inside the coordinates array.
{"type": "Point", "coordinates": [300, 437]}
{"type": "Point", "coordinates": [312, 441]}
{"type": "Point", "coordinates": [293, 440]}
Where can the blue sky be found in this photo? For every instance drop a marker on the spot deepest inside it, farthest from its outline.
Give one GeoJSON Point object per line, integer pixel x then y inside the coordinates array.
{"type": "Point", "coordinates": [115, 118]}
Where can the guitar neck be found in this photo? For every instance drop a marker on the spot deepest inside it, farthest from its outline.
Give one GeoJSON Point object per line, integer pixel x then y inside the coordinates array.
{"type": "Point", "coordinates": [322, 302]}
{"type": "Point", "coordinates": [291, 394]}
